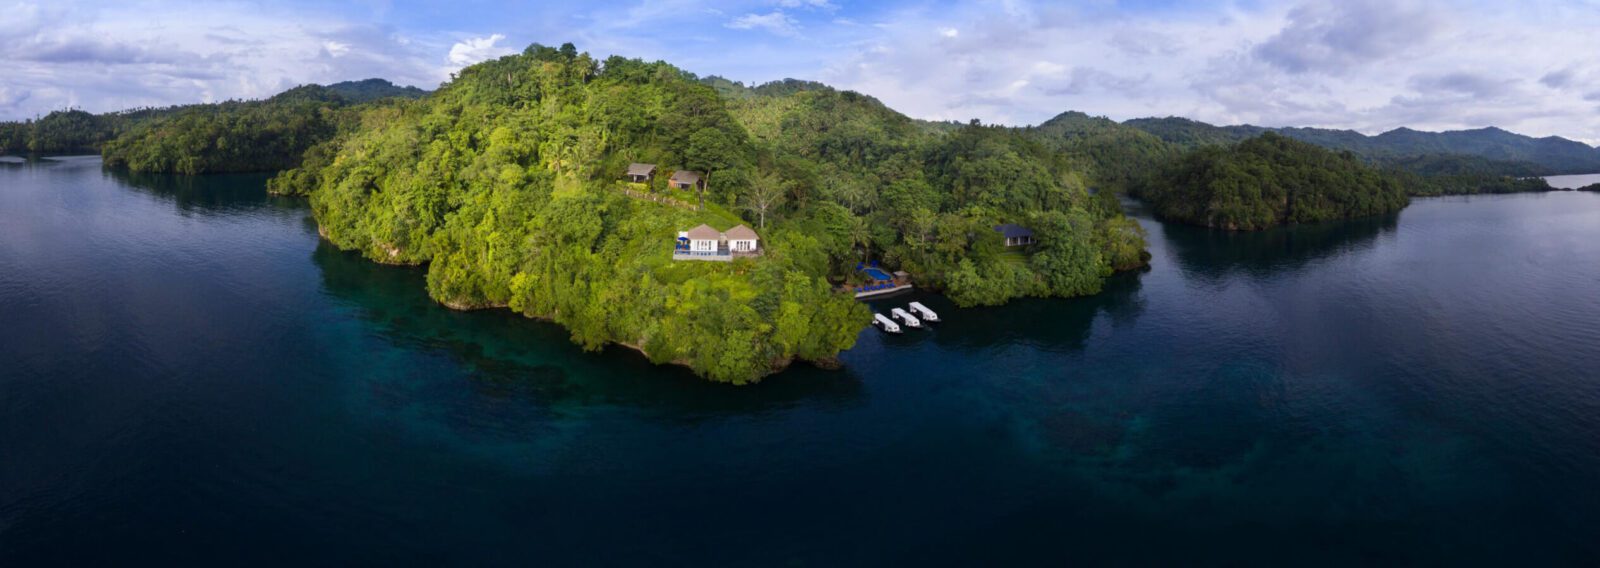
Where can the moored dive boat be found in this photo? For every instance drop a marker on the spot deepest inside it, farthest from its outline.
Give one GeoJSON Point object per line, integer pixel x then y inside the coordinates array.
{"type": "Point", "coordinates": [905, 317]}
{"type": "Point", "coordinates": [885, 324]}
{"type": "Point", "coordinates": [924, 313]}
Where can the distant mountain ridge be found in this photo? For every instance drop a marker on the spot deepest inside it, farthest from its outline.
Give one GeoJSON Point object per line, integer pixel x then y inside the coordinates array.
{"type": "Point", "coordinates": [368, 90]}
{"type": "Point", "coordinates": [76, 131]}
{"type": "Point", "coordinates": [1544, 156]}
{"type": "Point", "coordinates": [1123, 156]}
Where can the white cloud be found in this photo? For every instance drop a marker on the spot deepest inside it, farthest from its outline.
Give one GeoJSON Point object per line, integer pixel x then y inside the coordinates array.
{"type": "Point", "coordinates": [1369, 65]}
{"type": "Point", "coordinates": [113, 57]}
{"type": "Point", "coordinates": [809, 4]}
{"type": "Point", "coordinates": [335, 48]}
{"type": "Point", "coordinates": [1332, 36]}
{"type": "Point", "coordinates": [10, 98]}
{"type": "Point", "coordinates": [473, 50]}
{"type": "Point", "coordinates": [775, 22]}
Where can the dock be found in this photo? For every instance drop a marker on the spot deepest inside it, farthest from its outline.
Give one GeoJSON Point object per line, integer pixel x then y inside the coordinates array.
{"type": "Point", "coordinates": [885, 291]}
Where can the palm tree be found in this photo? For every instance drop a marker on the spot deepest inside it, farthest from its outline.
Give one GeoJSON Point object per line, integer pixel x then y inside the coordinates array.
{"type": "Point", "coordinates": [861, 235]}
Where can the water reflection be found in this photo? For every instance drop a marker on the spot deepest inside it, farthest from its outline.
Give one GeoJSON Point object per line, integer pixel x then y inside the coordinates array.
{"type": "Point", "coordinates": [1053, 324]}
{"type": "Point", "coordinates": [510, 357]}
{"type": "Point", "coordinates": [1212, 254]}
{"type": "Point", "coordinates": [206, 193]}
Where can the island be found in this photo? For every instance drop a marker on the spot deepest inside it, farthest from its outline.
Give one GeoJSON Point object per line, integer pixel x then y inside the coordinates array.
{"type": "Point", "coordinates": [1268, 181]}
{"type": "Point", "coordinates": [572, 189]}
{"type": "Point", "coordinates": [583, 191]}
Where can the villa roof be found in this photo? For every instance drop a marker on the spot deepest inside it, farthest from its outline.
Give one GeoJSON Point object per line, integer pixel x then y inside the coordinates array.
{"type": "Point", "coordinates": [685, 176]}
{"type": "Point", "coordinates": [742, 233]}
{"type": "Point", "coordinates": [1012, 231]}
{"type": "Point", "coordinates": [704, 233]}
{"type": "Point", "coordinates": [641, 169]}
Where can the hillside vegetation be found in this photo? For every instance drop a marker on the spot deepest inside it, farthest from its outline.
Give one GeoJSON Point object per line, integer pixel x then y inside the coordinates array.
{"type": "Point", "coordinates": [1125, 156]}
{"type": "Point", "coordinates": [1507, 153]}
{"type": "Point", "coordinates": [232, 136]}
{"type": "Point", "coordinates": [67, 132]}
{"type": "Point", "coordinates": [504, 183]}
{"type": "Point", "coordinates": [1271, 180]}
{"type": "Point", "coordinates": [1115, 157]}
{"type": "Point", "coordinates": [246, 136]}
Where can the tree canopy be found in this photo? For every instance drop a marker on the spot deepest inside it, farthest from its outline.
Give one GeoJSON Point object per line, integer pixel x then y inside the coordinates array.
{"type": "Point", "coordinates": [1271, 180]}
{"type": "Point", "coordinates": [233, 136]}
{"type": "Point", "coordinates": [247, 136]}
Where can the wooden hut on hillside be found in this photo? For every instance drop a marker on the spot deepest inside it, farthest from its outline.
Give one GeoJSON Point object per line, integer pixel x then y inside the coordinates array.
{"type": "Point", "coordinates": [687, 179]}
{"type": "Point", "coordinates": [641, 173]}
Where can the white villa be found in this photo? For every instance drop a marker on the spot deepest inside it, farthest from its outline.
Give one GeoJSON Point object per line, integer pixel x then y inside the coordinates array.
{"type": "Point", "coordinates": [702, 238]}
{"type": "Point", "coordinates": [706, 243]}
{"type": "Point", "coordinates": [741, 239]}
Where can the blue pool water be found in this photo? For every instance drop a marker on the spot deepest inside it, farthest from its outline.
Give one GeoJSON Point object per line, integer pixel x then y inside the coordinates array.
{"type": "Point", "coordinates": [876, 274]}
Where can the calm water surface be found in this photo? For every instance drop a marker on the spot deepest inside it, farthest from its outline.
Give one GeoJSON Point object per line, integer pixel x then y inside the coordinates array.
{"type": "Point", "coordinates": [1573, 181]}
{"type": "Point", "coordinates": [188, 375]}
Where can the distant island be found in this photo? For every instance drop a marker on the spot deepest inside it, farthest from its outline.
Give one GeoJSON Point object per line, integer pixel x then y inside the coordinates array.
{"type": "Point", "coordinates": [586, 192]}
{"type": "Point", "coordinates": [233, 136]}
{"type": "Point", "coordinates": [1271, 180]}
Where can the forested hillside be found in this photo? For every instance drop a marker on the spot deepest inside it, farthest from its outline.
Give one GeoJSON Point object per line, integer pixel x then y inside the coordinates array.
{"type": "Point", "coordinates": [505, 182]}
{"type": "Point", "coordinates": [246, 136]}
{"type": "Point", "coordinates": [1455, 174]}
{"type": "Point", "coordinates": [1271, 180]}
{"type": "Point", "coordinates": [1115, 157]}
{"type": "Point", "coordinates": [67, 132]}
{"type": "Point", "coordinates": [233, 136]}
{"type": "Point", "coordinates": [1496, 147]}
{"type": "Point", "coordinates": [1126, 157]}
{"type": "Point", "coordinates": [368, 90]}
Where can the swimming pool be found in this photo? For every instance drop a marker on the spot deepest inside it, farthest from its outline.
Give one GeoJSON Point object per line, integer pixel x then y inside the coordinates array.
{"type": "Point", "coordinates": [877, 274]}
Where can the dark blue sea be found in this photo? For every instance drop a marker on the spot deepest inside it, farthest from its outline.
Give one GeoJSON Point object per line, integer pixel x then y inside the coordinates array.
{"type": "Point", "coordinates": [189, 376]}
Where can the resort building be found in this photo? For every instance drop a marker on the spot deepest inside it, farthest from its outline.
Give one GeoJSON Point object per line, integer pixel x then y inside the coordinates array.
{"type": "Point", "coordinates": [1015, 235]}
{"type": "Point", "coordinates": [686, 179]}
{"type": "Point", "coordinates": [706, 243]}
{"type": "Point", "coordinates": [702, 238]}
{"type": "Point", "coordinates": [641, 173]}
{"type": "Point", "coordinates": [741, 239]}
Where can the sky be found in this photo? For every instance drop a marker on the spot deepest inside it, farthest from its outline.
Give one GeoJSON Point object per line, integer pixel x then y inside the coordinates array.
{"type": "Point", "coordinates": [1531, 66]}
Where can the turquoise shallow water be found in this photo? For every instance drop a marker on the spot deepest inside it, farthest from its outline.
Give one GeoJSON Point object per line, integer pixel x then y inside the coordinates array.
{"type": "Point", "coordinates": [188, 375]}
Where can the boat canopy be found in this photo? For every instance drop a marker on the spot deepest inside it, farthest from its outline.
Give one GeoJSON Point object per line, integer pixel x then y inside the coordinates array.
{"type": "Point", "coordinates": [906, 317]}
{"type": "Point", "coordinates": [888, 324]}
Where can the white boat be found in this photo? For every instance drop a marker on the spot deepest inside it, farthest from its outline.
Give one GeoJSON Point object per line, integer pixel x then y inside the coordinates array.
{"type": "Point", "coordinates": [923, 312]}
{"type": "Point", "coordinates": [885, 324]}
{"type": "Point", "coordinates": [905, 318]}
